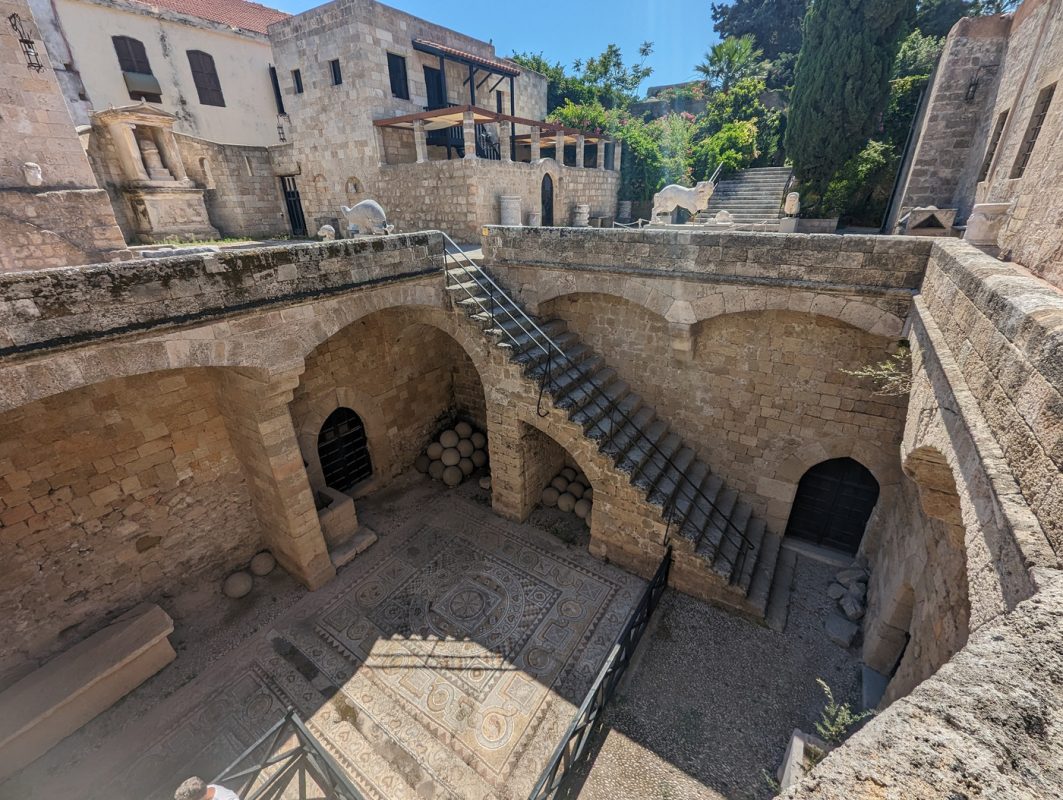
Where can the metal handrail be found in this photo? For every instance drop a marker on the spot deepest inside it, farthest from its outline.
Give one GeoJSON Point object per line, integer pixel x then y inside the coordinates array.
{"type": "Point", "coordinates": [716, 174]}
{"type": "Point", "coordinates": [682, 480]}
{"type": "Point", "coordinates": [572, 748]}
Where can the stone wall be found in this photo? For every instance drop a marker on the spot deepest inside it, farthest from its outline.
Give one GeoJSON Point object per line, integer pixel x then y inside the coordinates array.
{"type": "Point", "coordinates": [241, 191]}
{"type": "Point", "coordinates": [400, 376]}
{"type": "Point", "coordinates": [759, 392]}
{"type": "Point", "coordinates": [460, 196]}
{"type": "Point", "coordinates": [109, 501]}
{"type": "Point", "coordinates": [64, 219]}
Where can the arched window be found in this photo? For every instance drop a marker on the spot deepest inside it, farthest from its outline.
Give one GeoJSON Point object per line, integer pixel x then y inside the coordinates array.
{"type": "Point", "coordinates": [547, 201]}
{"type": "Point", "coordinates": [205, 76]}
{"type": "Point", "coordinates": [343, 450]}
{"type": "Point", "coordinates": [833, 503]}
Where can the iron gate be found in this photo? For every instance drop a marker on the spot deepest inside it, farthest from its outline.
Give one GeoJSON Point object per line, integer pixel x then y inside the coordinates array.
{"type": "Point", "coordinates": [295, 206]}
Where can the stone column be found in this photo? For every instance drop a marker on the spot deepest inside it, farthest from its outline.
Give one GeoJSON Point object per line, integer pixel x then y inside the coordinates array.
{"type": "Point", "coordinates": [599, 154]}
{"type": "Point", "coordinates": [579, 150]}
{"type": "Point", "coordinates": [420, 141]}
{"type": "Point", "coordinates": [255, 408]}
{"type": "Point", "coordinates": [618, 148]}
{"type": "Point", "coordinates": [171, 154]}
{"type": "Point", "coordinates": [560, 147]}
{"type": "Point", "coordinates": [505, 132]}
{"type": "Point", "coordinates": [127, 150]}
{"type": "Point", "coordinates": [536, 148]}
{"type": "Point", "coordinates": [468, 125]}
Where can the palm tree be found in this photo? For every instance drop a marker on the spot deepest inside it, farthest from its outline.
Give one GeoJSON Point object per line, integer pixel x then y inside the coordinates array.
{"type": "Point", "coordinates": [730, 61]}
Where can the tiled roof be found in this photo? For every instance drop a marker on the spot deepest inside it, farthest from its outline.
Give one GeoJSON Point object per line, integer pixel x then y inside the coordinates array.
{"type": "Point", "coordinates": [499, 67]}
{"type": "Point", "coordinates": [235, 13]}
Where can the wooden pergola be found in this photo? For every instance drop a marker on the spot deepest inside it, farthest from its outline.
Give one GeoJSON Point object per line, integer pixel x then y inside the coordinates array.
{"type": "Point", "coordinates": [540, 134]}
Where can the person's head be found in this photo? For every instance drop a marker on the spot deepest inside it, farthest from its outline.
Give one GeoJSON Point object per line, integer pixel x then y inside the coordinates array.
{"type": "Point", "coordinates": [192, 789]}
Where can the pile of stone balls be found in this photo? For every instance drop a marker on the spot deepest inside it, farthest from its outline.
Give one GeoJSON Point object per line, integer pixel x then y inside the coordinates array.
{"type": "Point", "coordinates": [569, 491]}
{"type": "Point", "coordinates": [455, 455]}
{"type": "Point", "coordinates": [239, 584]}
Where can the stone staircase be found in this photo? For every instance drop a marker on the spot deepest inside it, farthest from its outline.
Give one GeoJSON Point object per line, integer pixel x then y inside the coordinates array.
{"type": "Point", "coordinates": [721, 552]}
{"type": "Point", "coordinates": [752, 196]}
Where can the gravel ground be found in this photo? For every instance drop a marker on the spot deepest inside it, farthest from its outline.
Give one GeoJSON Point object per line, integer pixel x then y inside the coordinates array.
{"type": "Point", "coordinates": [713, 699]}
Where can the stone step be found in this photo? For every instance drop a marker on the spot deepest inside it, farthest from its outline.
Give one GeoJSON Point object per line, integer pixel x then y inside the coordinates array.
{"type": "Point", "coordinates": [641, 445]}
{"type": "Point", "coordinates": [583, 392]}
{"type": "Point", "coordinates": [629, 429]}
{"type": "Point", "coordinates": [698, 518]}
{"type": "Point", "coordinates": [657, 463]}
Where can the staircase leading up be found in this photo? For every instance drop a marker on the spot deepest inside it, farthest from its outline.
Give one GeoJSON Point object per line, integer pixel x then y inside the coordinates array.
{"type": "Point", "coordinates": [753, 197]}
{"type": "Point", "coordinates": [721, 551]}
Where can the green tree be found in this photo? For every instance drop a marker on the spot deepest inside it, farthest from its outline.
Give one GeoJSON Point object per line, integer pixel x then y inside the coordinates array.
{"type": "Point", "coordinates": [901, 106]}
{"type": "Point", "coordinates": [642, 171]}
{"type": "Point", "coordinates": [675, 136]}
{"type": "Point", "coordinates": [730, 61]}
{"type": "Point", "coordinates": [917, 55]}
{"type": "Point", "coordinates": [860, 190]}
{"type": "Point", "coordinates": [560, 87]}
{"type": "Point", "coordinates": [615, 84]}
{"type": "Point", "coordinates": [841, 82]}
{"type": "Point", "coordinates": [742, 102]}
{"type": "Point", "coordinates": [936, 17]}
{"type": "Point", "coordinates": [775, 25]}
{"type": "Point", "coordinates": [733, 147]}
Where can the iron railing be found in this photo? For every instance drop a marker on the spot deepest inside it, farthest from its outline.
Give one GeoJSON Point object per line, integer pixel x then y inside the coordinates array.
{"type": "Point", "coordinates": [572, 750]}
{"type": "Point", "coordinates": [287, 770]}
{"type": "Point", "coordinates": [499, 301]}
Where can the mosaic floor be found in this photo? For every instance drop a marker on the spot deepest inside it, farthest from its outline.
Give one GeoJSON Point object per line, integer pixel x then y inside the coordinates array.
{"type": "Point", "coordinates": [442, 663]}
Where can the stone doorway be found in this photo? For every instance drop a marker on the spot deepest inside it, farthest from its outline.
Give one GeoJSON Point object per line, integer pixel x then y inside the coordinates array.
{"type": "Point", "coordinates": [833, 503]}
{"type": "Point", "coordinates": [547, 201]}
{"type": "Point", "coordinates": [343, 448]}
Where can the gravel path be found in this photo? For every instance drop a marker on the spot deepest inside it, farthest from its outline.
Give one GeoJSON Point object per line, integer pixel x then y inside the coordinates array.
{"type": "Point", "coordinates": [711, 705]}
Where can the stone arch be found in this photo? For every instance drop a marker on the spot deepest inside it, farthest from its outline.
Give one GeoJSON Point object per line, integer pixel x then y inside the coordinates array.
{"type": "Point", "coordinates": [817, 517]}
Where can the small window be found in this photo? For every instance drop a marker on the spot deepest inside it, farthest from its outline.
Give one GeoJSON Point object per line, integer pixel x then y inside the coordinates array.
{"type": "Point", "coordinates": [136, 69]}
{"type": "Point", "coordinates": [397, 70]}
{"type": "Point", "coordinates": [297, 80]}
{"type": "Point", "coordinates": [499, 99]}
{"type": "Point", "coordinates": [992, 149]}
{"type": "Point", "coordinates": [1040, 111]}
{"type": "Point", "coordinates": [205, 76]}
{"type": "Point", "coordinates": [334, 70]}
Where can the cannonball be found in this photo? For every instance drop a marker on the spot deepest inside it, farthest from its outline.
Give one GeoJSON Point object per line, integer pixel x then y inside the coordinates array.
{"type": "Point", "coordinates": [549, 497]}
{"type": "Point", "coordinates": [465, 448]}
{"type": "Point", "coordinates": [576, 489]}
{"type": "Point", "coordinates": [449, 438]}
{"type": "Point", "coordinates": [421, 463]}
{"type": "Point", "coordinates": [237, 585]}
{"type": "Point", "coordinates": [434, 451]}
{"type": "Point", "coordinates": [568, 474]}
{"type": "Point", "coordinates": [485, 482]}
{"type": "Point", "coordinates": [463, 429]}
{"type": "Point", "coordinates": [263, 563]}
{"type": "Point", "coordinates": [559, 483]}
{"type": "Point", "coordinates": [479, 458]}
{"type": "Point", "coordinates": [582, 508]}
{"type": "Point", "coordinates": [435, 469]}
{"type": "Point", "coordinates": [582, 479]}
{"type": "Point", "coordinates": [589, 494]}
{"type": "Point", "coordinates": [450, 457]}
{"type": "Point", "coordinates": [479, 441]}
{"type": "Point", "coordinates": [452, 476]}
{"type": "Point", "coordinates": [566, 502]}
{"type": "Point", "coordinates": [466, 466]}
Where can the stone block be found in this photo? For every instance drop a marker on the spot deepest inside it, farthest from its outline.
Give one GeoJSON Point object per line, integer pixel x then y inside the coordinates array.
{"type": "Point", "coordinates": [840, 630]}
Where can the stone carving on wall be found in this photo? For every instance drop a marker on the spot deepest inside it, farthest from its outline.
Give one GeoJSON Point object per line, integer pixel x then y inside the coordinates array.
{"type": "Point", "coordinates": [166, 205]}
{"type": "Point", "coordinates": [792, 205]}
{"type": "Point", "coordinates": [984, 224]}
{"type": "Point", "coordinates": [327, 233]}
{"type": "Point", "coordinates": [675, 196]}
{"type": "Point", "coordinates": [366, 218]}
{"type": "Point", "coordinates": [32, 174]}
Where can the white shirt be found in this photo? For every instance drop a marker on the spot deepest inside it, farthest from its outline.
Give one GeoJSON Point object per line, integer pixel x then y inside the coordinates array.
{"type": "Point", "coordinates": [221, 793]}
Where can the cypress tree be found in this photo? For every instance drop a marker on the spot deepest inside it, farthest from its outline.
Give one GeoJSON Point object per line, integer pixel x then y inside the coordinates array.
{"type": "Point", "coordinates": [841, 82]}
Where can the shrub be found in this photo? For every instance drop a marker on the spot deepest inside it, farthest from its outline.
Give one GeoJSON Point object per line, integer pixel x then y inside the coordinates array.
{"type": "Point", "coordinates": [733, 147]}
{"type": "Point", "coordinates": [860, 190]}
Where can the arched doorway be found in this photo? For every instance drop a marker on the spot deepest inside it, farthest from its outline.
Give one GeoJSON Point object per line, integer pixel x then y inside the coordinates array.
{"type": "Point", "coordinates": [547, 198]}
{"type": "Point", "coordinates": [343, 449]}
{"type": "Point", "coordinates": [833, 502]}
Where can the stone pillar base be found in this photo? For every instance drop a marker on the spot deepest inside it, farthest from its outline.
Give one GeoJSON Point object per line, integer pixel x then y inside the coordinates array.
{"type": "Point", "coordinates": [170, 212]}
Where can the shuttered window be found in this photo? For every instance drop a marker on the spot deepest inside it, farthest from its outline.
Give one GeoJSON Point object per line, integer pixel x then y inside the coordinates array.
{"type": "Point", "coordinates": [205, 77]}
{"type": "Point", "coordinates": [136, 69]}
{"type": "Point", "coordinates": [334, 70]}
{"type": "Point", "coordinates": [397, 72]}
{"type": "Point", "coordinates": [991, 151]}
{"type": "Point", "coordinates": [1040, 111]}
{"type": "Point", "coordinates": [297, 81]}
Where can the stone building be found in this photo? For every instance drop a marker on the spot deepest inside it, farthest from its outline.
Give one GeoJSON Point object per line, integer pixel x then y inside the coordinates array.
{"type": "Point", "coordinates": [354, 73]}
{"type": "Point", "coordinates": [737, 348]}
{"type": "Point", "coordinates": [52, 211]}
{"type": "Point", "coordinates": [988, 143]}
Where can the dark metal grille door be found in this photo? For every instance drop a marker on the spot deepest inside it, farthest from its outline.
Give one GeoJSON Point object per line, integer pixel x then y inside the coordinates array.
{"type": "Point", "coordinates": [295, 206]}
{"type": "Point", "coordinates": [343, 450]}
{"type": "Point", "coordinates": [548, 201]}
{"type": "Point", "coordinates": [833, 503]}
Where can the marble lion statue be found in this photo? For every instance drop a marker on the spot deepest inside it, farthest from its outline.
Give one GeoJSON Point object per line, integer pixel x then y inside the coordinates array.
{"type": "Point", "coordinates": [366, 218]}
{"type": "Point", "coordinates": [674, 196]}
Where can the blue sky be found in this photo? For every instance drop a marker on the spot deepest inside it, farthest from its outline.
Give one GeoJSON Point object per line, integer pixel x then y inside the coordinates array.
{"type": "Point", "coordinates": [568, 29]}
